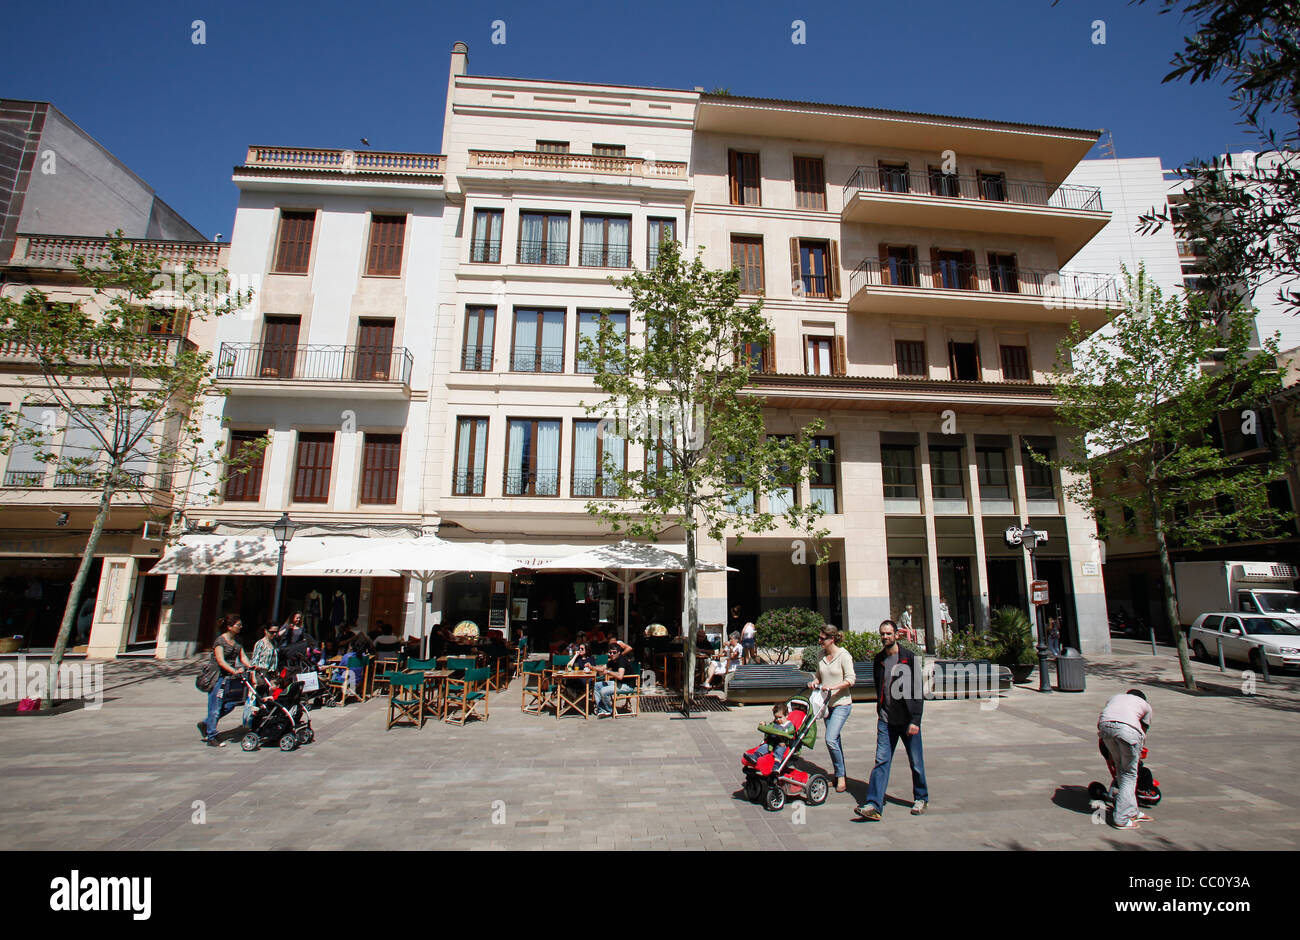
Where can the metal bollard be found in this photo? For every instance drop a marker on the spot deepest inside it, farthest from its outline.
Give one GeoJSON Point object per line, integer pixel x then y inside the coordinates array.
{"type": "Point", "coordinates": [1219, 642]}
{"type": "Point", "coordinates": [1263, 660]}
{"type": "Point", "coordinates": [1153, 640]}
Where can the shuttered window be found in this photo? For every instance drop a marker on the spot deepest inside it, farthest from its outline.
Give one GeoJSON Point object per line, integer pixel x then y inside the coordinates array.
{"type": "Point", "coordinates": [910, 357]}
{"type": "Point", "coordinates": [247, 486]}
{"type": "Point", "coordinates": [293, 250]}
{"type": "Point", "coordinates": [311, 472]}
{"type": "Point", "coordinates": [1015, 364]}
{"type": "Point", "coordinates": [747, 255]}
{"type": "Point", "coordinates": [387, 236]}
{"type": "Point", "coordinates": [744, 178]}
{"type": "Point", "coordinates": [380, 459]}
{"type": "Point", "coordinates": [374, 359]}
{"type": "Point", "coordinates": [809, 183]}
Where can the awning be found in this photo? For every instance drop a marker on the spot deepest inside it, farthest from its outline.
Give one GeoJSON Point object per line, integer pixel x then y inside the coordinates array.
{"type": "Point", "coordinates": [260, 554]}
{"type": "Point", "coordinates": [534, 554]}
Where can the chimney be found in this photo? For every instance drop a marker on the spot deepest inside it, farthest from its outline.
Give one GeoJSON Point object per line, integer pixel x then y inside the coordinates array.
{"type": "Point", "coordinates": [459, 66]}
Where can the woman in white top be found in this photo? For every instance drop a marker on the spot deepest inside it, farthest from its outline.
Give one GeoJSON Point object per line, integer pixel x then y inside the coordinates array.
{"type": "Point", "coordinates": [749, 642]}
{"type": "Point", "coordinates": [835, 678]}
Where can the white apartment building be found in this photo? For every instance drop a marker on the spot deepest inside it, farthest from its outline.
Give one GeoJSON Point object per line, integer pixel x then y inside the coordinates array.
{"type": "Point", "coordinates": [332, 361]}
{"type": "Point", "coordinates": [916, 311]}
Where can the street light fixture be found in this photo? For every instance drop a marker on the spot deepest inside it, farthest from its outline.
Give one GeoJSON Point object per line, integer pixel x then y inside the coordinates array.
{"type": "Point", "coordinates": [1029, 538]}
{"type": "Point", "coordinates": [283, 530]}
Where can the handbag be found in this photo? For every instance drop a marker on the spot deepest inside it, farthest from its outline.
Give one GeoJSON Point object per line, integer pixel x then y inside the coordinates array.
{"type": "Point", "coordinates": [207, 677]}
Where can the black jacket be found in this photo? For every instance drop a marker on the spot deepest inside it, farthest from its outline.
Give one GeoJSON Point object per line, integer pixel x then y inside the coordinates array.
{"type": "Point", "coordinates": [912, 687]}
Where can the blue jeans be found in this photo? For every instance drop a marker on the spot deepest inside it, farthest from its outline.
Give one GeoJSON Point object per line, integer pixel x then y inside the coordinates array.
{"type": "Point", "coordinates": [605, 694]}
{"type": "Point", "coordinates": [887, 736]}
{"type": "Point", "coordinates": [224, 698]}
{"type": "Point", "coordinates": [834, 724]}
{"type": "Point", "coordinates": [1124, 743]}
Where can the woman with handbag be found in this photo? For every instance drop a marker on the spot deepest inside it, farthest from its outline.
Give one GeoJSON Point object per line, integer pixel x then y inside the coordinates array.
{"type": "Point", "coordinates": [225, 694]}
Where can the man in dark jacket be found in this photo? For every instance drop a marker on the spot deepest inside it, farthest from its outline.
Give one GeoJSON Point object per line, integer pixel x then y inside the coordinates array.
{"type": "Point", "coordinates": [899, 701]}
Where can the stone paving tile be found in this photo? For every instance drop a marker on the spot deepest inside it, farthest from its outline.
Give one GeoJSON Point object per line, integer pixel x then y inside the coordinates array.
{"type": "Point", "coordinates": [127, 776]}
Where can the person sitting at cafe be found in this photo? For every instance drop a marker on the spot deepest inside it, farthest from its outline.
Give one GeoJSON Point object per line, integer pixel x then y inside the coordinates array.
{"type": "Point", "coordinates": [702, 642]}
{"type": "Point", "coordinates": [725, 662]}
{"type": "Point", "coordinates": [620, 661]}
{"type": "Point", "coordinates": [578, 641]}
{"type": "Point", "coordinates": [386, 642]}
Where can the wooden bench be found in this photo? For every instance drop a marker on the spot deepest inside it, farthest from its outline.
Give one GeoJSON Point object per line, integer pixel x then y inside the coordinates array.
{"type": "Point", "coordinates": [760, 684]}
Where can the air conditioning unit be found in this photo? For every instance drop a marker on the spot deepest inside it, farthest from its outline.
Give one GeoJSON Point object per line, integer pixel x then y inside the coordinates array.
{"type": "Point", "coordinates": [205, 523]}
{"type": "Point", "coordinates": [153, 532]}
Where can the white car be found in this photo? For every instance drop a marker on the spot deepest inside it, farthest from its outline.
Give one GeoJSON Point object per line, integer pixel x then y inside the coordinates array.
{"type": "Point", "coordinates": [1242, 636]}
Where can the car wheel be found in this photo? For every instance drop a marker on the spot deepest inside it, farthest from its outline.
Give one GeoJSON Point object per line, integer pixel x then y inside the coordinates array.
{"type": "Point", "coordinates": [1198, 650]}
{"type": "Point", "coordinates": [1256, 660]}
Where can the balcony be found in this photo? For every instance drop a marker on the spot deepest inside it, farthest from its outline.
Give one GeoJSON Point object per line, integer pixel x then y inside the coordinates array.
{"type": "Point", "coordinates": [317, 371]}
{"type": "Point", "coordinates": [58, 251]}
{"type": "Point", "coordinates": [1070, 215]}
{"type": "Point", "coordinates": [16, 351]}
{"type": "Point", "coordinates": [346, 162]}
{"type": "Point", "coordinates": [982, 291]}
{"type": "Point", "coordinates": [626, 167]}
{"type": "Point", "coordinates": [532, 483]}
{"type": "Point", "coordinates": [891, 394]}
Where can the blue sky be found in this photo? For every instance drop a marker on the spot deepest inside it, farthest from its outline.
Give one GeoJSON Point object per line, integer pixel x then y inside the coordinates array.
{"type": "Point", "coordinates": [327, 73]}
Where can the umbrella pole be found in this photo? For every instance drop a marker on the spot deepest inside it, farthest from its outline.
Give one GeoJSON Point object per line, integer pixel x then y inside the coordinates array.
{"type": "Point", "coordinates": [627, 601]}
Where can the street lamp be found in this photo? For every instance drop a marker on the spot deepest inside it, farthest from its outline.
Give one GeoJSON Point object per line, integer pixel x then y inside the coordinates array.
{"type": "Point", "coordinates": [283, 530]}
{"type": "Point", "coordinates": [1028, 537]}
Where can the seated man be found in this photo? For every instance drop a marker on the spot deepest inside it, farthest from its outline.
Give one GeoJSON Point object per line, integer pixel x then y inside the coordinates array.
{"type": "Point", "coordinates": [620, 661]}
{"type": "Point", "coordinates": [386, 642]}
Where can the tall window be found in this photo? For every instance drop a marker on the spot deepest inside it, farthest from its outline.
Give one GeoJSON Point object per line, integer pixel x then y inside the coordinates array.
{"type": "Point", "coordinates": [909, 354]}
{"type": "Point", "coordinates": [24, 468]}
{"type": "Point", "coordinates": [944, 184]}
{"type": "Point", "coordinates": [954, 270]}
{"type": "Point", "coordinates": [279, 347]}
{"type": "Point", "coordinates": [532, 458]}
{"type": "Point", "coordinates": [823, 474]}
{"type": "Point", "coordinates": [946, 473]}
{"type": "Point", "coordinates": [817, 355]}
{"type": "Point", "coordinates": [538, 341]}
{"type": "Point", "coordinates": [1039, 483]}
{"type": "Point", "coordinates": [595, 449]}
{"type": "Point", "coordinates": [782, 496]}
{"type": "Point", "coordinates": [380, 458]}
{"type": "Point", "coordinates": [605, 241]}
{"type": "Point", "coordinates": [311, 472]}
{"type": "Point", "coordinates": [898, 471]}
{"type": "Point", "coordinates": [374, 360]}
{"type": "Point", "coordinates": [293, 249]}
{"type": "Point", "coordinates": [245, 487]}
{"type": "Point", "coordinates": [744, 178]}
{"type": "Point", "coordinates": [743, 494]}
{"type": "Point", "coordinates": [387, 236]}
{"type": "Point", "coordinates": [893, 177]}
{"type": "Point", "coordinates": [589, 326]}
{"type": "Point", "coordinates": [485, 244]}
{"type": "Point", "coordinates": [814, 272]}
{"type": "Point", "coordinates": [1015, 363]}
{"type": "Point", "coordinates": [992, 186]}
{"type": "Point", "coordinates": [480, 324]}
{"type": "Point", "coordinates": [747, 255]}
{"type": "Point", "coordinates": [543, 238]}
{"type": "Point", "coordinates": [471, 457]}
{"type": "Point", "coordinates": [1003, 275]}
{"type": "Point", "coordinates": [994, 476]}
{"type": "Point", "coordinates": [964, 361]}
{"type": "Point", "coordinates": [759, 355]}
{"type": "Point", "coordinates": [809, 183]}
{"type": "Point", "coordinates": [659, 231]}
{"type": "Point", "coordinates": [898, 265]}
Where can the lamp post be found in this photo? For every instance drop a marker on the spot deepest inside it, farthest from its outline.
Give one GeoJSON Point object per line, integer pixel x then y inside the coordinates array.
{"type": "Point", "coordinates": [1029, 538]}
{"type": "Point", "coordinates": [283, 530]}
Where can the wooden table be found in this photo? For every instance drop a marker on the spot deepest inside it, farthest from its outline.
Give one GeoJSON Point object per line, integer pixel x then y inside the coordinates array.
{"type": "Point", "coordinates": [438, 679]}
{"type": "Point", "coordinates": [577, 702]}
{"type": "Point", "coordinates": [676, 658]}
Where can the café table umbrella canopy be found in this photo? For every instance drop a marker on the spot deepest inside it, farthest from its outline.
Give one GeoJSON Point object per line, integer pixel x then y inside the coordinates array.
{"type": "Point", "coordinates": [626, 563]}
{"type": "Point", "coordinates": [427, 559]}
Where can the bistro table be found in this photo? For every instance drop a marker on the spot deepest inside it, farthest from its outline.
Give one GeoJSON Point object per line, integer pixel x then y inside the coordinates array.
{"type": "Point", "coordinates": [569, 700]}
{"type": "Point", "coordinates": [435, 690]}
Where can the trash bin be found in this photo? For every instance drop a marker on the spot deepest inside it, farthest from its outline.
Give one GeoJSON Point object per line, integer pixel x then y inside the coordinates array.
{"type": "Point", "coordinates": [1069, 671]}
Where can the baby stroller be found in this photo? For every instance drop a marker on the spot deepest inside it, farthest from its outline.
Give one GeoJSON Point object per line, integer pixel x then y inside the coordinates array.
{"type": "Point", "coordinates": [770, 782]}
{"type": "Point", "coordinates": [1148, 787]}
{"type": "Point", "coordinates": [279, 717]}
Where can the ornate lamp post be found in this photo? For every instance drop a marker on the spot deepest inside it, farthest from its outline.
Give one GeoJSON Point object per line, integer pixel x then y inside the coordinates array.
{"type": "Point", "coordinates": [283, 530]}
{"type": "Point", "coordinates": [1029, 539]}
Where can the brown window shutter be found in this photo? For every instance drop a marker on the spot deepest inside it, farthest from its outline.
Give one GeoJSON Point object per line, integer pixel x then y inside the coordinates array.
{"type": "Point", "coordinates": [935, 273]}
{"type": "Point", "coordinates": [884, 264]}
{"type": "Point", "coordinates": [796, 275]}
{"type": "Point", "coordinates": [311, 482]}
{"type": "Point", "coordinates": [769, 353]}
{"type": "Point", "coordinates": [969, 277]}
{"type": "Point", "coordinates": [840, 357]}
{"type": "Point", "coordinates": [834, 268]}
{"type": "Point", "coordinates": [753, 182]}
{"type": "Point", "coordinates": [247, 486]}
{"type": "Point", "coordinates": [952, 360]}
{"type": "Point", "coordinates": [381, 455]}
{"type": "Point", "coordinates": [733, 176]}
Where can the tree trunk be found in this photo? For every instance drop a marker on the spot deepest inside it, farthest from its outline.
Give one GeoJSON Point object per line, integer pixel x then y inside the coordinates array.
{"type": "Point", "coordinates": [692, 618]}
{"type": "Point", "coordinates": [79, 583]}
{"type": "Point", "coordinates": [1171, 600]}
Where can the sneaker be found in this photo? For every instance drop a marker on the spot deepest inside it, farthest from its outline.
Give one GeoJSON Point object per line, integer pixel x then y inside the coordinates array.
{"type": "Point", "coordinates": [867, 811]}
{"type": "Point", "coordinates": [203, 731]}
{"type": "Point", "coordinates": [1143, 817]}
{"type": "Point", "coordinates": [1131, 824]}
{"type": "Point", "coordinates": [919, 807]}
{"type": "Point", "coordinates": [213, 742]}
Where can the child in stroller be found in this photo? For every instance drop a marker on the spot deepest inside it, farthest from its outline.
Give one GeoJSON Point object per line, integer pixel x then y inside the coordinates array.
{"type": "Point", "coordinates": [1148, 787]}
{"type": "Point", "coordinates": [279, 715]}
{"type": "Point", "coordinates": [770, 777]}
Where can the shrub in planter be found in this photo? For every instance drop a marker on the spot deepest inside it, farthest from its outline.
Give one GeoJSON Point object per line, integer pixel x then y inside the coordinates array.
{"type": "Point", "coordinates": [788, 628]}
{"type": "Point", "coordinates": [1010, 632]}
{"type": "Point", "coordinates": [861, 646]}
{"type": "Point", "coordinates": [969, 644]}
{"type": "Point", "coordinates": [808, 658]}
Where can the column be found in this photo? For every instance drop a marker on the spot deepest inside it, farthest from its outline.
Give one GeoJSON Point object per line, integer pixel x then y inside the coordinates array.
{"type": "Point", "coordinates": [865, 570]}
{"type": "Point", "coordinates": [113, 607]}
{"type": "Point", "coordinates": [931, 613]}
{"type": "Point", "coordinates": [981, 561]}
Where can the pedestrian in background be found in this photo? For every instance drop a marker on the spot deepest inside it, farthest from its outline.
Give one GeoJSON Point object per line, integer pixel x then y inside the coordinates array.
{"type": "Point", "coordinates": [227, 692]}
{"type": "Point", "coordinates": [899, 703]}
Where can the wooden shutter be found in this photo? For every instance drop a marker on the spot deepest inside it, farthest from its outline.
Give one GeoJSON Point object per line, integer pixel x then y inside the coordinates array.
{"type": "Point", "coordinates": [936, 269]}
{"type": "Point", "coordinates": [387, 235]}
{"type": "Point", "coordinates": [833, 268]}
{"type": "Point", "coordinates": [374, 350]}
{"type": "Point", "coordinates": [279, 347]}
{"type": "Point", "coordinates": [884, 265]}
{"type": "Point", "coordinates": [311, 476]}
{"type": "Point", "coordinates": [952, 359]}
{"type": "Point", "coordinates": [769, 353]}
{"type": "Point", "coordinates": [753, 191]}
{"type": "Point", "coordinates": [294, 250]}
{"type": "Point", "coordinates": [247, 486]}
{"type": "Point", "coordinates": [379, 465]}
{"type": "Point", "coordinates": [968, 278]}
{"type": "Point", "coordinates": [733, 176]}
{"type": "Point", "coordinates": [839, 357]}
{"type": "Point", "coordinates": [796, 274]}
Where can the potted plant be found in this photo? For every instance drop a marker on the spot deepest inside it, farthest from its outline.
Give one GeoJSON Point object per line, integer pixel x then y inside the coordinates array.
{"type": "Point", "coordinates": [1010, 631]}
{"type": "Point", "coordinates": [787, 629]}
{"type": "Point", "coordinates": [11, 644]}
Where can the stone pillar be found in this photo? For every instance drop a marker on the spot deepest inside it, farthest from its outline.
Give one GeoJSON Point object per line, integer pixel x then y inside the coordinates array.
{"type": "Point", "coordinates": [981, 559]}
{"type": "Point", "coordinates": [865, 573]}
{"type": "Point", "coordinates": [712, 585]}
{"type": "Point", "coordinates": [178, 630]}
{"type": "Point", "coordinates": [113, 607]}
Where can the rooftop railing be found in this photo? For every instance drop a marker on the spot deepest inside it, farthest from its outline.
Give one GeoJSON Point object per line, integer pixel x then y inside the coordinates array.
{"type": "Point", "coordinates": [158, 347]}
{"type": "Point", "coordinates": [985, 187]}
{"type": "Point", "coordinates": [347, 161]}
{"type": "Point", "coordinates": [58, 251]}
{"type": "Point", "coordinates": [576, 163]}
{"type": "Point", "coordinates": [996, 279]}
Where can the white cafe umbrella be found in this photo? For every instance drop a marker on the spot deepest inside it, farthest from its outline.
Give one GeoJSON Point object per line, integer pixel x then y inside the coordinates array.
{"type": "Point", "coordinates": [427, 559]}
{"type": "Point", "coordinates": [626, 563]}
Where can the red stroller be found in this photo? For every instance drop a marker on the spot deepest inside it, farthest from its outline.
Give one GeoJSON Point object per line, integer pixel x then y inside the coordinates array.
{"type": "Point", "coordinates": [771, 782]}
{"type": "Point", "coordinates": [1148, 787]}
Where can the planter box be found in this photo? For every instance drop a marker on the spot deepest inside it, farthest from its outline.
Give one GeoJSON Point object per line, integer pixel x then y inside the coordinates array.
{"type": "Point", "coordinates": [10, 644]}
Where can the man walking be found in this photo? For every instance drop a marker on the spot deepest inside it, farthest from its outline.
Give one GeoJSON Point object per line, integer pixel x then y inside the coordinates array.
{"type": "Point", "coordinates": [898, 709]}
{"type": "Point", "coordinates": [1122, 728]}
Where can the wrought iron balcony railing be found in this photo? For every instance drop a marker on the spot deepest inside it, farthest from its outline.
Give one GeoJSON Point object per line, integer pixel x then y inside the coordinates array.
{"type": "Point", "coordinates": [540, 251]}
{"type": "Point", "coordinates": [267, 361]}
{"type": "Point", "coordinates": [986, 279]}
{"type": "Point", "coordinates": [94, 480]}
{"type": "Point", "coordinates": [537, 359]}
{"type": "Point", "coordinates": [476, 358]}
{"type": "Point", "coordinates": [605, 256]}
{"type": "Point", "coordinates": [468, 483]}
{"type": "Point", "coordinates": [587, 484]}
{"type": "Point", "coordinates": [988, 187]}
{"type": "Point", "coordinates": [485, 250]}
{"type": "Point", "coordinates": [532, 483]}
{"type": "Point", "coordinates": [24, 478]}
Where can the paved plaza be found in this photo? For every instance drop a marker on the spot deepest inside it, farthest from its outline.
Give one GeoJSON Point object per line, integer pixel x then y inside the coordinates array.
{"type": "Point", "coordinates": [128, 776]}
